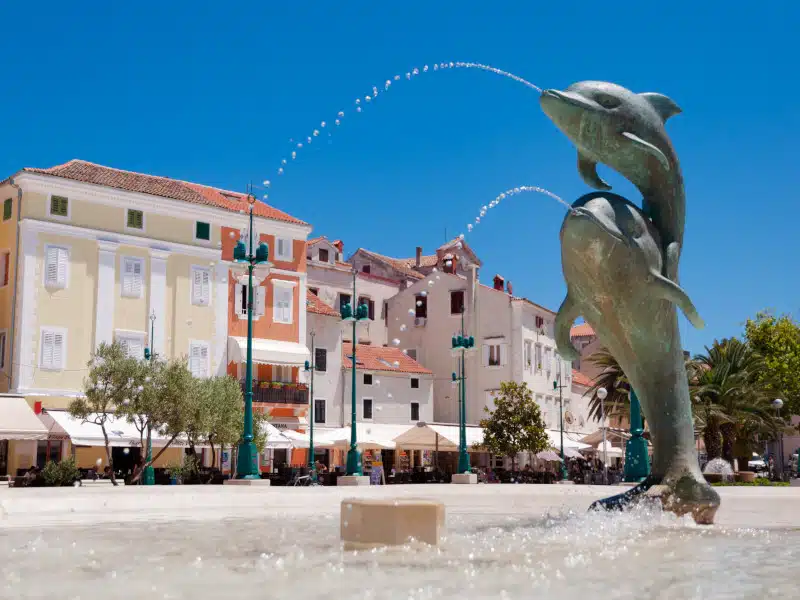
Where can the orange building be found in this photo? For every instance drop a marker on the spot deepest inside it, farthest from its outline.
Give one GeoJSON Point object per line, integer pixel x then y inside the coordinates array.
{"type": "Point", "coordinates": [279, 317]}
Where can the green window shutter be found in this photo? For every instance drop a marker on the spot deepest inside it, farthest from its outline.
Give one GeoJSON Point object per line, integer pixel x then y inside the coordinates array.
{"type": "Point", "coordinates": [59, 206]}
{"type": "Point", "coordinates": [7, 207]}
{"type": "Point", "coordinates": [135, 219]}
{"type": "Point", "coordinates": [202, 231]}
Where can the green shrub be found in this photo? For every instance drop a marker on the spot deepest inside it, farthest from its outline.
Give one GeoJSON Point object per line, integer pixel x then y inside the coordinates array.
{"type": "Point", "coordinates": [58, 474]}
{"type": "Point", "coordinates": [759, 482]}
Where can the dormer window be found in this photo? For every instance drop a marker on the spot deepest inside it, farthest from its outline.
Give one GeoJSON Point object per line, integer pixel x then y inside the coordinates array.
{"type": "Point", "coordinates": [365, 269]}
{"type": "Point", "coordinates": [323, 255]}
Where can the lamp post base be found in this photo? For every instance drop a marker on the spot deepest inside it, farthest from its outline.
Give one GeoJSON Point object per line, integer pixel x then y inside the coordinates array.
{"type": "Point", "coordinates": [464, 465]}
{"type": "Point", "coordinates": [464, 478]}
{"type": "Point", "coordinates": [251, 482]}
{"type": "Point", "coordinates": [149, 477]}
{"type": "Point", "coordinates": [247, 461]}
{"type": "Point", "coordinates": [354, 462]}
{"type": "Point", "coordinates": [353, 480]}
{"type": "Point", "coordinates": [637, 462]}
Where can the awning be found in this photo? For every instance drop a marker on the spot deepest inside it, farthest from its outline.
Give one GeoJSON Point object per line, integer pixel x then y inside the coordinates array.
{"type": "Point", "coordinates": [275, 438]}
{"type": "Point", "coordinates": [302, 440]}
{"type": "Point", "coordinates": [268, 352]}
{"type": "Point", "coordinates": [612, 433]}
{"type": "Point", "coordinates": [369, 436]}
{"type": "Point", "coordinates": [424, 437]}
{"type": "Point", "coordinates": [121, 434]}
{"type": "Point", "coordinates": [609, 450]}
{"type": "Point", "coordinates": [18, 421]}
{"type": "Point", "coordinates": [554, 435]}
{"type": "Point", "coordinates": [548, 456]}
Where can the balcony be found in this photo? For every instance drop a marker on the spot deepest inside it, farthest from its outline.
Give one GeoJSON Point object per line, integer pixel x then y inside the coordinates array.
{"type": "Point", "coordinates": [274, 393]}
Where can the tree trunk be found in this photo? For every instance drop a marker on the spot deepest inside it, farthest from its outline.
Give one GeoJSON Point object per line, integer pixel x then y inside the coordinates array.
{"type": "Point", "coordinates": [728, 432]}
{"type": "Point", "coordinates": [154, 459]}
{"type": "Point", "coordinates": [712, 440]}
{"type": "Point", "coordinates": [109, 457]}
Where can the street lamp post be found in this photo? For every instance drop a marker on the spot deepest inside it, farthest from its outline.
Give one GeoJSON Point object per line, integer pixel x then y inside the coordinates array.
{"type": "Point", "coordinates": [149, 477]}
{"type": "Point", "coordinates": [557, 385]}
{"type": "Point", "coordinates": [602, 393]}
{"type": "Point", "coordinates": [247, 455]}
{"type": "Point", "coordinates": [348, 315]}
{"type": "Point", "coordinates": [637, 462]}
{"type": "Point", "coordinates": [310, 367]}
{"type": "Point", "coordinates": [461, 344]}
{"type": "Point", "coordinates": [777, 404]}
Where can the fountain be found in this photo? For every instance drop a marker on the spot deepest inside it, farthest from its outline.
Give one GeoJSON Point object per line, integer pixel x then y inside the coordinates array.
{"type": "Point", "coordinates": [620, 264]}
{"type": "Point", "coordinates": [718, 470]}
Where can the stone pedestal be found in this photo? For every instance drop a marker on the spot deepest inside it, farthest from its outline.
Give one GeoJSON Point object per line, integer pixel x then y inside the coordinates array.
{"type": "Point", "coordinates": [353, 480]}
{"type": "Point", "coordinates": [464, 478]}
{"type": "Point", "coordinates": [375, 523]}
{"type": "Point", "coordinates": [248, 482]}
{"type": "Point", "coordinates": [565, 482]}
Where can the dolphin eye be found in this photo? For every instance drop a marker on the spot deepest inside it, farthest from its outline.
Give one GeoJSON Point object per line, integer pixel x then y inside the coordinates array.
{"type": "Point", "coordinates": [607, 101]}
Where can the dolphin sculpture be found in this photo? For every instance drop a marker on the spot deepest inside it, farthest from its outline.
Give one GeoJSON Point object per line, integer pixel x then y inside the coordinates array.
{"type": "Point", "coordinates": [621, 274]}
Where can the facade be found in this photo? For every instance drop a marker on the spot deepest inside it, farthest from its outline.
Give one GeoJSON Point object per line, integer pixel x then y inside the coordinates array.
{"type": "Point", "coordinates": [94, 254]}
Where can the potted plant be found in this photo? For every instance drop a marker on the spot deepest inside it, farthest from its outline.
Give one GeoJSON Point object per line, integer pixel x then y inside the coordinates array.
{"type": "Point", "coordinates": [176, 474]}
{"type": "Point", "coordinates": [276, 385]}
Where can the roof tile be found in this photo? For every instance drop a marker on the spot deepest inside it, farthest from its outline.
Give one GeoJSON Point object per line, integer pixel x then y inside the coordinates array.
{"type": "Point", "coordinates": [381, 358]}
{"type": "Point", "coordinates": [582, 330]}
{"type": "Point", "coordinates": [581, 379]}
{"type": "Point", "coordinates": [315, 305]}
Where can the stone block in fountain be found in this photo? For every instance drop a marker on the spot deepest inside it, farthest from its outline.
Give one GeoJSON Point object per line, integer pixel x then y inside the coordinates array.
{"type": "Point", "coordinates": [369, 523]}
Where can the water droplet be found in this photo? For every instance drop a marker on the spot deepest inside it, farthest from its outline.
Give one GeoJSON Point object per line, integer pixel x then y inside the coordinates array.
{"type": "Point", "coordinates": [425, 69]}
{"type": "Point", "coordinates": [358, 100]}
{"type": "Point", "coordinates": [358, 109]}
{"type": "Point", "coordinates": [377, 382]}
{"type": "Point", "coordinates": [232, 234]}
{"type": "Point", "coordinates": [337, 121]}
{"type": "Point", "coordinates": [389, 395]}
{"type": "Point", "coordinates": [423, 293]}
{"type": "Point", "coordinates": [434, 269]}
{"type": "Point", "coordinates": [386, 85]}
{"type": "Point", "coordinates": [397, 77]}
{"type": "Point", "coordinates": [430, 283]}
{"type": "Point", "coordinates": [280, 171]}
{"type": "Point", "coordinates": [437, 277]}
{"type": "Point", "coordinates": [396, 363]}
{"type": "Point", "coordinates": [299, 144]}
{"type": "Point", "coordinates": [308, 139]}
{"type": "Point", "coordinates": [368, 99]}
{"type": "Point", "coordinates": [435, 67]}
{"type": "Point", "coordinates": [323, 124]}
{"type": "Point", "coordinates": [419, 302]}
{"type": "Point", "coordinates": [283, 161]}
{"type": "Point", "coordinates": [452, 65]}
{"type": "Point", "coordinates": [469, 227]}
{"type": "Point", "coordinates": [341, 113]}
{"type": "Point", "coordinates": [395, 341]}
{"type": "Point", "coordinates": [408, 75]}
{"type": "Point", "coordinates": [415, 71]}
{"type": "Point", "coordinates": [294, 155]}
{"type": "Point", "coordinates": [316, 132]}
{"type": "Point", "coordinates": [477, 219]}
{"type": "Point", "coordinates": [403, 327]}
{"type": "Point", "coordinates": [266, 182]}
{"type": "Point", "coordinates": [411, 312]}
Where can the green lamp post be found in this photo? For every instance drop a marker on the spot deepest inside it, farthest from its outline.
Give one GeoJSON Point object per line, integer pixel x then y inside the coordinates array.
{"type": "Point", "coordinates": [361, 314]}
{"type": "Point", "coordinates": [460, 346]}
{"type": "Point", "coordinates": [558, 386]}
{"type": "Point", "coordinates": [310, 367]}
{"type": "Point", "coordinates": [637, 462]}
{"type": "Point", "coordinates": [149, 477]}
{"type": "Point", "coordinates": [247, 455]}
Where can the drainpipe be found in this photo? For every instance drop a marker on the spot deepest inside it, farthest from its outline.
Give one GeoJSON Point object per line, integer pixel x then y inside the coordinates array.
{"type": "Point", "coordinates": [14, 293]}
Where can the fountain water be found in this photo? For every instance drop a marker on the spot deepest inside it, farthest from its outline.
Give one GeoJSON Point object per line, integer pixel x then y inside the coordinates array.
{"type": "Point", "coordinates": [720, 467]}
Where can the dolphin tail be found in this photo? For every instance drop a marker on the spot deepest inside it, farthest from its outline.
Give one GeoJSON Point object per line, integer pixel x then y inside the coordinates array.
{"type": "Point", "coordinates": [671, 291]}
{"type": "Point", "coordinates": [672, 255]}
{"type": "Point", "coordinates": [566, 316]}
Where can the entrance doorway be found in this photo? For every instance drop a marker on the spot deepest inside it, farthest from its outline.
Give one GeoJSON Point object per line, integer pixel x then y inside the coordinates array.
{"type": "Point", "coordinates": [125, 460]}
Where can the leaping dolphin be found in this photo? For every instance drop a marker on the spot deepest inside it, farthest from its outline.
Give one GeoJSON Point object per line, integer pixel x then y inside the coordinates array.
{"type": "Point", "coordinates": [612, 125]}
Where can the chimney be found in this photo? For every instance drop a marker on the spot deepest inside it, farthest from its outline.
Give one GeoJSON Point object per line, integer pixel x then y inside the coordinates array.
{"type": "Point", "coordinates": [499, 283]}
{"type": "Point", "coordinates": [419, 256]}
{"type": "Point", "coordinates": [339, 245]}
{"type": "Point", "coordinates": [509, 289]}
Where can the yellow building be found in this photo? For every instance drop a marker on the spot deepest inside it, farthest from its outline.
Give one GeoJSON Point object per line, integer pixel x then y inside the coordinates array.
{"type": "Point", "coordinates": [91, 254]}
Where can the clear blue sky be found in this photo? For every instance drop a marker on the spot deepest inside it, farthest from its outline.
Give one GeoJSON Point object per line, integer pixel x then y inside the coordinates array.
{"type": "Point", "coordinates": [212, 92]}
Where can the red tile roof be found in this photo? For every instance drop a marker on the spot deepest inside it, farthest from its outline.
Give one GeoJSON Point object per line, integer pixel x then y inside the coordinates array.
{"type": "Point", "coordinates": [315, 305]}
{"type": "Point", "coordinates": [581, 379]}
{"type": "Point", "coordinates": [86, 172]}
{"type": "Point", "coordinates": [582, 330]}
{"type": "Point", "coordinates": [397, 264]}
{"type": "Point", "coordinates": [381, 358]}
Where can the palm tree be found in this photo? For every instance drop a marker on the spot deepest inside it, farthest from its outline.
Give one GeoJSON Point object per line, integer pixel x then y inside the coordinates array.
{"type": "Point", "coordinates": [616, 384]}
{"type": "Point", "coordinates": [731, 399]}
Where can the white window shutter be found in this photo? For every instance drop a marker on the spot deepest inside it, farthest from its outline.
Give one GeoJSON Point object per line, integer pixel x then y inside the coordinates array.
{"type": "Point", "coordinates": [47, 348]}
{"type": "Point", "coordinates": [238, 299]}
{"type": "Point", "coordinates": [58, 350]}
{"type": "Point", "coordinates": [197, 286]}
{"type": "Point", "coordinates": [62, 267]}
{"type": "Point", "coordinates": [137, 278]}
{"type": "Point", "coordinates": [51, 267]}
{"type": "Point", "coordinates": [260, 301]}
{"type": "Point", "coordinates": [206, 288]}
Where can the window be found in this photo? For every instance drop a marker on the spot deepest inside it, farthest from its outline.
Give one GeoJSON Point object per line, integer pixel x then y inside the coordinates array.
{"type": "Point", "coordinates": [456, 302]}
{"type": "Point", "coordinates": [421, 307]}
{"type": "Point", "coordinates": [343, 300]}
{"type": "Point", "coordinates": [538, 357]}
{"type": "Point", "coordinates": [385, 313]}
{"type": "Point", "coordinates": [283, 249]}
{"type": "Point", "coordinates": [2, 349]}
{"type": "Point", "coordinates": [282, 302]}
{"type": "Point", "coordinates": [135, 219]}
{"type": "Point", "coordinates": [494, 355]}
{"type": "Point", "coordinates": [202, 231]}
{"type": "Point", "coordinates": [314, 291]}
{"type": "Point", "coordinates": [54, 343]}
{"type": "Point", "coordinates": [59, 206]}
{"type": "Point", "coordinates": [539, 322]}
{"type": "Point", "coordinates": [241, 300]}
{"type": "Point", "coordinates": [319, 411]}
{"type": "Point", "coordinates": [132, 343]}
{"type": "Point", "coordinates": [8, 207]}
{"type": "Point", "coordinates": [367, 378]}
{"type": "Point", "coordinates": [415, 411]}
{"type": "Point", "coordinates": [323, 255]}
{"type": "Point", "coordinates": [528, 357]}
{"type": "Point", "coordinates": [56, 265]}
{"type": "Point", "coordinates": [411, 353]}
{"type": "Point", "coordinates": [367, 408]}
{"type": "Point", "coordinates": [414, 383]}
{"type": "Point", "coordinates": [198, 359]}
{"type": "Point", "coordinates": [366, 269]}
{"type": "Point", "coordinates": [201, 286]}
{"type": "Point", "coordinates": [370, 306]}
{"type": "Point", "coordinates": [132, 269]}
{"type": "Point", "coordinates": [4, 260]}
{"type": "Point", "coordinates": [548, 359]}
{"type": "Point", "coordinates": [321, 359]}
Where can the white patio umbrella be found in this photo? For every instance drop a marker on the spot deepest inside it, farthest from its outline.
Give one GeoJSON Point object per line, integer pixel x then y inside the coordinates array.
{"type": "Point", "coordinates": [548, 456]}
{"type": "Point", "coordinates": [302, 440]}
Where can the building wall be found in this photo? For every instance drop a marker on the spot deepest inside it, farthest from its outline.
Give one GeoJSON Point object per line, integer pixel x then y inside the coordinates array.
{"type": "Point", "coordinates": [327, 384]}
{"type": "Point", "coordinates": [391, 395]}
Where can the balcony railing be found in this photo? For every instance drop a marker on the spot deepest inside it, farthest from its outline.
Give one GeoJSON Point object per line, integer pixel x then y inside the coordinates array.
{"type": "Point", "coordinates": [284, 394]}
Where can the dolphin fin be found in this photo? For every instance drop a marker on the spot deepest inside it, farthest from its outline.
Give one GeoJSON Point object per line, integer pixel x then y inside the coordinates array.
{"type": "Point", "coordinates": [663, 105]}
{"type": "Point", "coordinates": [671, 291]}
{"type": "Point", "coordinates": [566, 316]}
{"type": "Point", "coordinates": [588, 170]}
{"type": "Point", "coordinates": [672, 255]}
{"type": "Point", "coordinates": [649, 148]}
